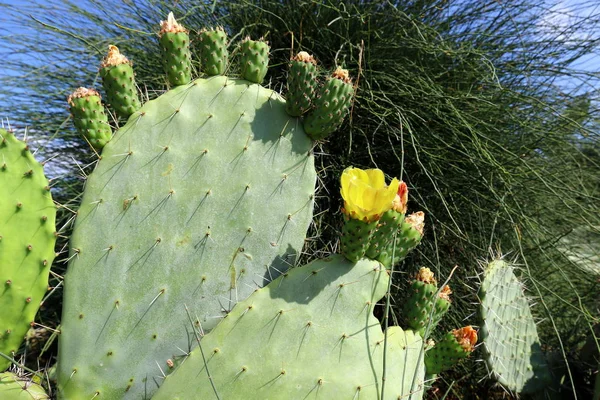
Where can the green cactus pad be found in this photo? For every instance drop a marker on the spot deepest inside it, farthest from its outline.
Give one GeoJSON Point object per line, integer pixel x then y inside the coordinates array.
{"type": "Point", "coordinates": [422, 304]}
{"type": "Point", "coordinates": [119, 83]}
{"type": "Point", "coordinates": [203, 196]}
{"type": "Point", "coordinates": [510, 341]}
{"type": "Point", "coordinates": [254, 60]}
{"type": "Point", "coordinates": [310, 334]}
{"type": "Point", "coordinates": [13, 387]}
{"type": "Point", "coordinates": [356, 236]}
{"type": "Point", "coordinates": [175, 46]}
{"type": "Point", "coordinates": [387, 226]}
{"type": "Point", "coordinates": [27, 238]}
{"type": "Point", "coordinates": [89, 117]}
{"type": "Point", "coordinates": [331, 106]}
{"type": "Point", "coordinates": [408, 237]}
{"type": "Point", "coordinates": [446, 354]}
{"type": "Point", "coordinates": [302, 84]}
{"type": "Point", "coordinates": [213, 51]}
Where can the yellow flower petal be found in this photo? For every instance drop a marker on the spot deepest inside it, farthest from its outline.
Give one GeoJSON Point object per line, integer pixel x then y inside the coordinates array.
{"type": "Point", "coordinates": [366, 196]}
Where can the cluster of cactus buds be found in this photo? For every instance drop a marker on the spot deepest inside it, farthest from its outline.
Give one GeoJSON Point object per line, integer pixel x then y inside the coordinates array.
{"type": "Point", "coordinates": [374, 213]}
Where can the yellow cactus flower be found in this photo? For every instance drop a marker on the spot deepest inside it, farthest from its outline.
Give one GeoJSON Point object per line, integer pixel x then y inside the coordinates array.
{"type": "Point", "coordinates": [366, 196]}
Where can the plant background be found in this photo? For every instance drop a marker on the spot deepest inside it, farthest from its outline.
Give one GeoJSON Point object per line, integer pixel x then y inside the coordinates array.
{"type": "Point", "coordinates": [487, 109]}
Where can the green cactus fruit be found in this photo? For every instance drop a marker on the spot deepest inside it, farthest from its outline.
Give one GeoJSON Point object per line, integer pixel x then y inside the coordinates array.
{"type": "Point", "coordinates": [389, 225]}
{"type": "Point", "coordinates": [175, 45]}
{"type": "Point", "coordinates": [510, 341]}
{"type": "Point", "coordinates": [203, 196]}
{"type": "Point", "coordinates": [356, 237]}
{"type": "Point", "coordinates": [254, 59]}
{"type": "Point", "coordinates": [310, 334]}
{"type": "Point", "coordinates": [13, 387]}
{"type": "Point", "coordinates": [407, 238]}
{"type": "Point", "coordinates": [455, 345]}
{"type": "Point", "coordinates": [425, 307]}
{"type": "Point", "coordinates": [27, 238]}
{"type": "Point", "coordinates": [331, 106]}
{"type": "Point", "coordinates": [213, 50]}
{"type": "Point", "coordinates": [89, 117]}
{"type": "Point", "coordinates": [302, 84]}
{"type": "Point", "coordinates": [119, 83]}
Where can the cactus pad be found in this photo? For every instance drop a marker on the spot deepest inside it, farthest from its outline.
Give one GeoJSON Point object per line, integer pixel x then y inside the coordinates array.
{"type": "Point", "coordinates": [203, 196]}
{"type": "Point", "coordinates": [508, 331]}
{"type": "Point", "coordinates": [310, 334]}
{"type": "Point", "coordinates": [213, 51]}
{"type": "Point", "coordinates": [27, 238]}
{"type": "Point", "coordinates": [14, 388]}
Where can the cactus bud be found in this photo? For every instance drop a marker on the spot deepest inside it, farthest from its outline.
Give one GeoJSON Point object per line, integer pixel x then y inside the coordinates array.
{"type": "Point", "coordinates": [175, 45]}
{"type": "Point", "coordinates": [456, 345]}
{"type": "Point", "coordinates": [119, 83]}
{"type": "Point", "coordinates": [89, 117]}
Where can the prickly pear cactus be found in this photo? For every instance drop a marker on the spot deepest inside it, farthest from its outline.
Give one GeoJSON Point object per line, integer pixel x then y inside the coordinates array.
{"type": "Point", "coordinates": [508, 332]}
{"type": "Point", "coordinates": [203, 196]}
{"type": "Point", "coordinates": [27, 238]}
{"type": "Point", "coordinates": [13, 387]}
{"type": "Point", "coordinates": [309, 334]}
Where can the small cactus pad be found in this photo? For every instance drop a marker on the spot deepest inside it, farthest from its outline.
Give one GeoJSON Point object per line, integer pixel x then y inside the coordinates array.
{"type": "Point", "coordinates": [89, 117]}
{"type": "Point", "coordinates": [310, 334]}
{"type": "Point", "coordinates": [119, 83]}
{"type": "Point", "coordinates": [13, 387]}
{"type": "Point", "coordinates": [302, 84]}
{"type": "Point", "coordinates": [331, 106]}
{"type": "Point", "coordinates": [175, 45]}
{"type": "Point", "coordinates": [213, 51]}
{"type": "Point", "coordinates": [27, 238]}
{"type": "Point", "coordinates": [454, 346]}
{"type": "Point", "coordinates": [254, 61]}
{"type": "Point", "coordinates": [409, 236]}
{"type": "Point", "coordinates": [508, 331]}
{"type": "Point", "coordinates": [203, 196]}
{"type": "Point", "coordinates": [356, 236]}
{"type": "Point", "coordinates": [423, 303]}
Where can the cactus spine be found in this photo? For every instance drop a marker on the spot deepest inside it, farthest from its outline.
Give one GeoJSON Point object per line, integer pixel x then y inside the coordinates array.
{"type": "Point", "coordinates": [119, 83]}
